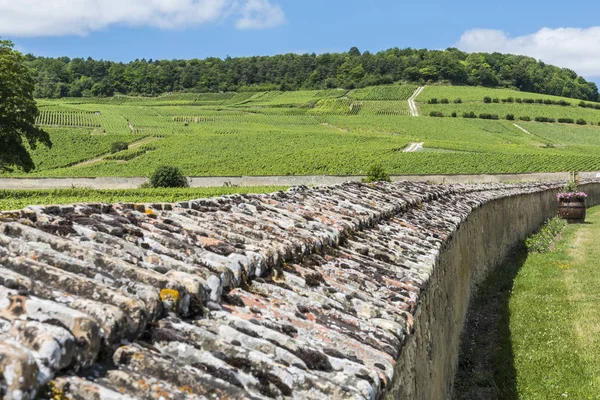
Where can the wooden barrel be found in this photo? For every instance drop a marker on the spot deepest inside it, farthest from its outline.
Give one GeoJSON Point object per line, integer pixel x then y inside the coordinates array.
{"type": "Point", "coordinates": [574, 212]}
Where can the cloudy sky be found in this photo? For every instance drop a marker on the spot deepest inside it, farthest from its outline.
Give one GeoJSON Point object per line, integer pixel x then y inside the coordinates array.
{"type": "Point", "coordinates": [560, 33]}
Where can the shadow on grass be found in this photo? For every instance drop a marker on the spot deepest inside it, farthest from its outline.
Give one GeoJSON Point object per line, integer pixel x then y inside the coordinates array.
{"type": "Point", "coordinates": [486, 367]}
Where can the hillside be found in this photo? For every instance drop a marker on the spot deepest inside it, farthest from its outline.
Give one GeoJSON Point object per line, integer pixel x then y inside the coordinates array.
{"type": "Point", "coordinates": [334, 132]}
{"type": "Point", "coordinates": [65, 77]}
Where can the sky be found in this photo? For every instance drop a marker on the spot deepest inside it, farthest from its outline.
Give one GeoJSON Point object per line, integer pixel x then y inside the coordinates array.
{"type": "Point", "coordinates": [562, 33]}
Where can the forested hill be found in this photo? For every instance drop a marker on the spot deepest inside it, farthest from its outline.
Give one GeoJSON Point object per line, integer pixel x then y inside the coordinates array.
{"type": "Point", "coordinates": [64, 77]}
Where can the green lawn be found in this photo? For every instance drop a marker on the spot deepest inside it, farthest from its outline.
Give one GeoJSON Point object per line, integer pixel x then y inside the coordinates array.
{"type": "Point", "coordinates": [17, 199]}
{"type": "Point", "coordinates": [535, 331]}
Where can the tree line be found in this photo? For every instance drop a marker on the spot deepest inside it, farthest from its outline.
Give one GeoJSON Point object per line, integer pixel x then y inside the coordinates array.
{"type": "Point", "coordinates": [78, 77]}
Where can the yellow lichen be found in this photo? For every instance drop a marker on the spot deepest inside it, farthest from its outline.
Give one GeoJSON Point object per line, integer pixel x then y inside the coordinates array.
{"type": "Point", "coordinates": [150, 212]}
{"type": "Point", "coordinates": [9, 215]}
{"type": "Point", "coordinates": [171, 296]}
{"type": "Point", "coordinates": [56, 393]}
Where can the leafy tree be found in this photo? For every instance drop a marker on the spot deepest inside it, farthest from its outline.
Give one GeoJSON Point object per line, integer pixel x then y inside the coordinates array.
{"type": "Point", "coordinates": [354, 52]}
{"type": "Point", "coordinates": [377, 173]}
{"type": "Point", "coordinates": [307, 71]}
{"type": "Point", "coordinates": [168, 177]}
{"type": "Point", "coordinates": [18, 111]}
{"type": "Point", "coordinates": [118, 146]}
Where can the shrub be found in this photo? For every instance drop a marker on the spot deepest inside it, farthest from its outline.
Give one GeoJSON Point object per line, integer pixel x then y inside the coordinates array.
{"type": "Point", "coordinates": [496, 100]}
{"type": "Point", "coordinates": [519, 100]}
{"type": "Point", "coordinates": [596, 106]}
{"type": "Point", "coordinates": [118, 146]}
{"type": "Point", "coordinates": [563, 103]}
{"type": "Point", "coordinates": [436, 114]}
{"type": "Point", "coordinates": [510, 117]}
{"type": "Point", "coordinates": [433, 101]}
{"type": "Point", "coordinates": [566, 121]}
{"type": "Point", "coordinates": [582, 104]}
{"type": "Point", "coordinates": [377, 173]}
{"type": "Point", "coordinates": [548, 102]}
{"type": "Point", "coordinates": [168, 177]}
{"type": "Point", "coordinates": [544, 119]}
{"type": "Point", "coordinates": [487, 99]}
{"type": "Point", "coordinates": [525, 118]}
{"type": "Point", "coordinates": [539, 101]}
{"type": "Point", "coordinates": [581, 121]}
{"type": "Point", "coordinates": [444, 101]}
{"type": "Point", "coordinates": [489, 116]}
{"type": "Point", "coordinates": [528, 101]}
{"type": "Point", "coordinates": [454, 115]}
{"type": "Point", "coordinates": [457, 101]}
{"type": "Point", "coordinates": [469, 115]}
{"type": "Point", "coordinates": [542, 241]}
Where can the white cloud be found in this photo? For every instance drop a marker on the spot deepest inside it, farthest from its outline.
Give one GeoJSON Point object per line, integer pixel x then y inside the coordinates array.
{"type": "Point", "coordinates": [574, 48]}
{"type": "Point", "coordinates": [80, 17]}
{"type": "Point", "coordinates": [259, 14]}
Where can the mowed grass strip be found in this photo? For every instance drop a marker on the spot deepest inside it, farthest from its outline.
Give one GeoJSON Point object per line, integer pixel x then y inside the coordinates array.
{"type": "Point", "coordinates": [534, 328]}
{"type": "Point", "coordinates": [17, 199]}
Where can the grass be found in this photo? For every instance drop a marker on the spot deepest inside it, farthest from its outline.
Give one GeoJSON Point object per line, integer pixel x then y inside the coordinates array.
{"type": "Point", "coordinates": [17, 199]}
{"type": "Point", "coordinates": [534, 326]}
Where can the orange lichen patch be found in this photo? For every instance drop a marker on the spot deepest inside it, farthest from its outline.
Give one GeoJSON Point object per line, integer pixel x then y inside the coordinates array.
{"type": "Point", "coordinates": [152, 259]}
{"type": "Point", "coordinates": [170, 295]}
{"type": "Point", "coordinates": [325, 220]}
{"type": "Point", "coordinates": [186, 389]}
{"type": "Point", "coordinates": [142, 384]}
{"type": "Point", "coordinates": [404, 285]}
{"type": "Point", "coordinates": [150, 212]}
{"type": "Point", "coordinates": [207, 241]}
{"type": "Point", "coordinates": [161, 393]}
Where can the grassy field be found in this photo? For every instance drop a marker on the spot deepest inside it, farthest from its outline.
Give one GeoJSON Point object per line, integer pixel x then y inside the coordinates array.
{"type": "Point", "coordinates": [537, 324]}
{"type": "Point", "coordinates": [335, 132]}
{"type": "Point", "coordinates": [17, 199]}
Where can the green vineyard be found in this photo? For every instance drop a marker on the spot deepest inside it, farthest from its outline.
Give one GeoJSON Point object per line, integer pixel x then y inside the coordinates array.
{"type": "Point", "coordinates": [313, 132]}
{"type": "Point", "coordinates": [391, 92]}
{"type": "Point", "coordinates": [87, 119]}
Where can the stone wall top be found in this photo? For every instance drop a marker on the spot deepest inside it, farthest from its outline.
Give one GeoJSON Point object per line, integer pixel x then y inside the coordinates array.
{"type": "Point", "coordinates": [308, 293]}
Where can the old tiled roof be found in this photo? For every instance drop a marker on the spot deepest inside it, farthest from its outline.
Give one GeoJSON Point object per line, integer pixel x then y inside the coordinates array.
{"type": "Point", "coordinates": [308, 293]}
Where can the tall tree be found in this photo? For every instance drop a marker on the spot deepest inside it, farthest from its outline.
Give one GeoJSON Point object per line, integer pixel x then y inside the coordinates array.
{"type": "Point", "coordinates": [18, 111]}
{"type": "Point", "coordinates": [63, 76]}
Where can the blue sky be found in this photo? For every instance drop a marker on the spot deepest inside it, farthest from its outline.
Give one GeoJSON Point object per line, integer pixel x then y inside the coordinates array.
{"type": "Point", "coordinates": [166, 29]}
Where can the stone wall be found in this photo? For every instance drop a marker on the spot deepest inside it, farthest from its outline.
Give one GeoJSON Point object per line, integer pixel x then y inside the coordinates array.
{"type": "Point", "coordinates": [289, 180]}
{"type": "Point", "coordinates": [428, 363]}
{"type": "Point", "coordinates": [345, 292]}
